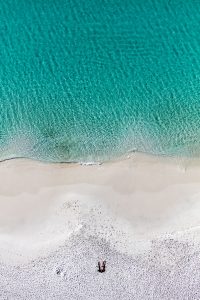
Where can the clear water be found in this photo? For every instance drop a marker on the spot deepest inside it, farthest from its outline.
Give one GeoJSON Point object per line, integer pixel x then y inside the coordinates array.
{"type": "Point", "coordinates": [94, 79]}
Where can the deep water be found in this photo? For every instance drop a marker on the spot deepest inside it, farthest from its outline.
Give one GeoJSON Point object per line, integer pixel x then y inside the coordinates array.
{"type": "Point", "coordinates": [94, 79]}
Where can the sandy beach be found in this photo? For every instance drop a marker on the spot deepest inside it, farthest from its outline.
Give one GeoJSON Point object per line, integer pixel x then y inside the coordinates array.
{"type": "Point", "coordinates": [141, 215]}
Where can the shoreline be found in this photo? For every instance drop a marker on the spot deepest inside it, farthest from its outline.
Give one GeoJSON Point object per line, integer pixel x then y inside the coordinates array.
{"type": "Point", "coordinates": [130, 155]}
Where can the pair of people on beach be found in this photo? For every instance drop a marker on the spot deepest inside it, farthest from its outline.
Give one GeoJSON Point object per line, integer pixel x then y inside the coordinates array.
{"type": "Point", "coordinates": [101, 266]}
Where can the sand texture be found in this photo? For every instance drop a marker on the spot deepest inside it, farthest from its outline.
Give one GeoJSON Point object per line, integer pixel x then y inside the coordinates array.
{"type": "Point", "coordinates": [142, 215]}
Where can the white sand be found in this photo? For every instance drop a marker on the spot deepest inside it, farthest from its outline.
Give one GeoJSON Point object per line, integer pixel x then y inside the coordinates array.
{"type": "Point", "coordinates": [142, 215]}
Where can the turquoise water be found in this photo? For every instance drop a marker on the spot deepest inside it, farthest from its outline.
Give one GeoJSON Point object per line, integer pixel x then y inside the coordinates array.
{"type": "Point", "coordinates": [93, 79]}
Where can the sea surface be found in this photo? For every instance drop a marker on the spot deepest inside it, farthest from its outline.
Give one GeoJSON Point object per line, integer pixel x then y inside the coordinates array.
{"type": "Point", "coordinates": [90, 80]}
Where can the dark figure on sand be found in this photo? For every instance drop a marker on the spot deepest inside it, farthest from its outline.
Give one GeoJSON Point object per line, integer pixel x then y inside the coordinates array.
{"type": "Point", "coordinates": [101, 266]}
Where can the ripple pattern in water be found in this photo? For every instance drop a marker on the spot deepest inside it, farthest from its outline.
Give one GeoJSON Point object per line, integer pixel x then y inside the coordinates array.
{"type": "Point", "coordinates": [90, 80]}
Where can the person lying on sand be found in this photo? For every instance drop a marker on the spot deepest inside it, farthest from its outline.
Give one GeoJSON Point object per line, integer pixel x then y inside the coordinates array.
{"type": "Point", "coordinates": [101, 266]}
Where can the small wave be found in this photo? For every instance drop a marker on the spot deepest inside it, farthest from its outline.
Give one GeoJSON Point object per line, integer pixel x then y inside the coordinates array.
{"type": "Point", "coordinates": [91, 163]}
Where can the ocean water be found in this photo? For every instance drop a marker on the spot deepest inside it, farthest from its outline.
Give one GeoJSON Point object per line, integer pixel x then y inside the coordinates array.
{"type": "Point", "coordinates": [95, 79]}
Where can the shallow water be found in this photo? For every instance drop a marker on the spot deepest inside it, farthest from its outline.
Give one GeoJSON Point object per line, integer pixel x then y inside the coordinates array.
{"type": "Point", "coordinates": [91, 80]}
